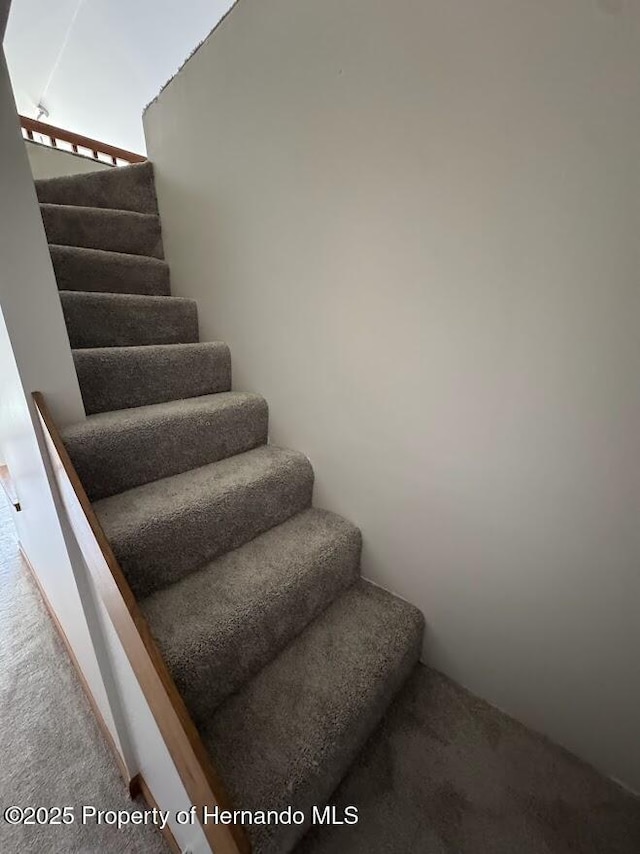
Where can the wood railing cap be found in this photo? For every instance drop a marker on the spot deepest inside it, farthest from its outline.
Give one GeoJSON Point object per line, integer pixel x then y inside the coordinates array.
{"type": "Point", "coordinates": [77, 140]}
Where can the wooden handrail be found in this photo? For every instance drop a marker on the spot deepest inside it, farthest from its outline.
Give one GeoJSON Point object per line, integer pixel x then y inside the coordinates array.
{"type": "Point", "coordinates": [199, 777]}
{"type": "Point", "coordinates": [31, 126]}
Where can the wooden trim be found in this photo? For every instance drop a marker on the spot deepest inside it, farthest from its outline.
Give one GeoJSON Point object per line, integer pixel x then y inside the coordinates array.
{"type": "Point", "coordinates": [145, 792]}
{"type": "Point", "coordinates": [200, 778]}
{"type": "Point", "coordinates": [130, 782]}
{"type": "Point", "coordinates": [32, 126]}
{"type": "Point", "coordinates": [7, 484]}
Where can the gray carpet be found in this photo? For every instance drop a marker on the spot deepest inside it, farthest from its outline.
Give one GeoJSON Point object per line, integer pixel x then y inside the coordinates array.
{"type": "Point", "coordinates": [446, 773]}
{"type": "Point", "coordinates": [129, 189]}
{"type": "Point", "coordinates": [221, 625]}
{"type": "Point", "coordinates": [127, 320]}
{"type": "Point", "coordinates": [115, 451]}
{"type": "Point", "coordinates": [99, 228]}
{"type": "Point", "coordinates": [167, 529]}
{"type": "Point", "coordinates": [254, 598]}
{"type": "Point", "coordinates": [52, 750]}
{"type": "Point", "coordinates": [80, 269]}
{"type": "Point", "coordinates": [290, 734]}
{"type": "Point", "coordinates": [125, 377]}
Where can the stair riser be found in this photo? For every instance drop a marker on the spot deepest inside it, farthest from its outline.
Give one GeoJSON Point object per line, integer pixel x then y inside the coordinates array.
{"type": "Point", "coordinates": [98, 320]}
{"type": "Point", "coordinates": [124, 378]}
{"type": "Point", "coordinates": [109, 462]}
{"type": "Point", "coordinates": [226, 666]}
{"type": "Point", "coordinates": [170, 547]}
{"type": "Point", "coordinates": [128, 188]}
{"type": "Point", "coordinates": [92, 228]}
{"type": "Point", "coordinates": [109, 272]}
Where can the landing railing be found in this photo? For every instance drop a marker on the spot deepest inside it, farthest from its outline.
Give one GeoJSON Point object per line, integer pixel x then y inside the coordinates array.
{"type": "Point", "coordinates": [76, 144]}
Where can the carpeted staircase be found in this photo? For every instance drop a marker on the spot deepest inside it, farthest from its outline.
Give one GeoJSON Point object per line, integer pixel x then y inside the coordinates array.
{"type": "Point", "coordinates": [285, 657]}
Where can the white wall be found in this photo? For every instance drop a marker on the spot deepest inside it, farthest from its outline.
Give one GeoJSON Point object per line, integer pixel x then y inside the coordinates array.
{"type": "Point", "coordinates": [94, 64]}
{"type": "Point", "coordinates": [150, 751]}
{"type": "Point", "coordinates": [416, 224]}
{"type": "Point", "coordinates": [35, 355]}
{"type": "Point", "coordinates": [48, 162]}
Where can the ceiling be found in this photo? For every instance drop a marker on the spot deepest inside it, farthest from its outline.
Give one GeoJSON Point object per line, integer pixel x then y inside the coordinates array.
{"type": "Point", "coordinates": [95, 64]}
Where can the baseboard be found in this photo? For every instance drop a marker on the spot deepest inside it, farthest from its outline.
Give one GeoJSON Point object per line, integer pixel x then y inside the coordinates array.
{"type": "Point", "coordinates": [132, 783]}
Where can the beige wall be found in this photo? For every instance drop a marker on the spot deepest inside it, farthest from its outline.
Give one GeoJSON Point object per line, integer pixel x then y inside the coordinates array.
{"type": "Point", "coordinates": [416, 224]}
{"type": "Point", "coordinates": [47, 162]}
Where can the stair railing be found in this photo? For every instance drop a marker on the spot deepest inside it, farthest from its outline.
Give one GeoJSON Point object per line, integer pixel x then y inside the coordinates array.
{"type": "Point", "coordinates": [82, 145]}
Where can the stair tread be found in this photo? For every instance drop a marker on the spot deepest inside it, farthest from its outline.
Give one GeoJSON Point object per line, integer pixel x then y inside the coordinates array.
{"type": "Point", "coordinates": [132, 299]}
{"type": "Point", "coordinates": [124, 188]}
{"type": "Point", "coordinates": [126, 512]}
{"type": "Point", "coordinates": [115, 451]}
{"type": "Point", "coordinates": [81, 268]}
{"type": "Point", "coordinates": [219, 626]}
{"type": "Point", "coordinates": [114, 378]}
{"type": "Point", "coordinates": [290, 734]}
{"type": "Point", "coordinates": [139, 417]}
{"type": "Point", "coordinates": [109, 255]}
{"type": "Point", "coordinates": [88, 210]}
{"type": "Point", "coordinates": [103, 228]}
{"type": "Point", "coordinates": [97, 319]}
{"type": "Point", "coordinates": [169, 528]}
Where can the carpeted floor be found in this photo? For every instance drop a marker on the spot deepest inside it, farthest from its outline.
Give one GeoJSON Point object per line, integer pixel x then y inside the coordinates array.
{"type": "Point", "coordinates": [448, 774]}
{"type": "Point", "coordinates": [52, 752]}
{"type": "Point", "coordinates": [444, 774]}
